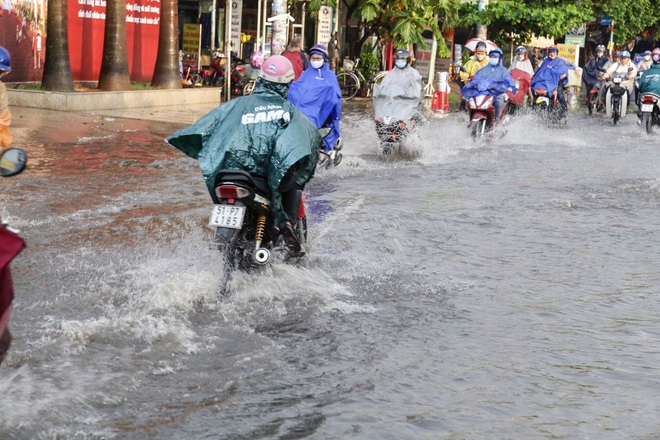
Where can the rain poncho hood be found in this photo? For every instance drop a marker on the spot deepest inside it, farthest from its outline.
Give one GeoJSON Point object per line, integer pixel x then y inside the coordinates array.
{"type": "Point", "coordinates": [489, 80]}
{"type": "Point", "coordinates": [318, 96]}
{"type": "Point", "coordinates": [650, 80]}
{"type": "Point", "coordinates": [400, 95]}
{"type": "Point", "coordinates": [547, 77]}
{"type": "Point", "coordinates": [262, 134]}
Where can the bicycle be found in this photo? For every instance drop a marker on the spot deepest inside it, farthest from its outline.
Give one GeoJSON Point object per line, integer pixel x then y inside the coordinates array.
{"type": "Point", "coordinates": [191, 79]}
{"type": "Point", "coordinates": [351, 79]}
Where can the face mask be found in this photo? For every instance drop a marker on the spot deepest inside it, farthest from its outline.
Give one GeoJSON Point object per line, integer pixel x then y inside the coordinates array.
{"type": "Point", "coordinates": [316, 63]}
{"type": "Point", "coordinates": [493, 61]}
{"type": "Point", "coordinates": [647, 57]}
{"type": "Point", "coordinates": [400, 63]}
{"type": "Point", "coordinates": [521, 57]}
{"type": "Point", "coordinates": [599, 55]}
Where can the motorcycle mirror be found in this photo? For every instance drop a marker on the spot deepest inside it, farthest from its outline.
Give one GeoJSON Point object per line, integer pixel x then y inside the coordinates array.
{"type": "Point", "coordinates": [324, 131]}
{"type": "Point", "coordinates": [12, 161]}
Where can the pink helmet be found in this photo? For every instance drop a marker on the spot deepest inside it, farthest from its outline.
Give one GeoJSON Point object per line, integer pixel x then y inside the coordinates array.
{"type": "Point", "coordinates": [256, 59]}
{"type": "Point", "coordinates": [277, 69]}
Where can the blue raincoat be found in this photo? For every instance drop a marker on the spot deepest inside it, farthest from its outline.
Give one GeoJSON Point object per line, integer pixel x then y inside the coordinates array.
{"type": "Point", "coordinates": [490, 80]}
{"type": "Point", "coordinates": [547, 76]}
{"type": "Point", "coordinates": [262, 134]}
{"type": "Point", "coordinates": [317, 95]}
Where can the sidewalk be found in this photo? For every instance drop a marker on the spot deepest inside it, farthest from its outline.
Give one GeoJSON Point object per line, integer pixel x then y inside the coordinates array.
{"type": "Point", "coordinates": [184, 115]}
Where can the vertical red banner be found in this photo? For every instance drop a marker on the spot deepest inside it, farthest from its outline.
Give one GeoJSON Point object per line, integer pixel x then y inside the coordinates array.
{"type": "Point", "coordinates": [86, 31]}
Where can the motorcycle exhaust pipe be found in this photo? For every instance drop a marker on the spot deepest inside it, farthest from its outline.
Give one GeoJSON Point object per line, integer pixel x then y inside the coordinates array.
{"type": "Point", "coordinates": [261, 256]}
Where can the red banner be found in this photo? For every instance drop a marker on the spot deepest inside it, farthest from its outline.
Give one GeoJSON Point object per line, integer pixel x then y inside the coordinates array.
{"type": "Point", "coordinates": [86, 29]}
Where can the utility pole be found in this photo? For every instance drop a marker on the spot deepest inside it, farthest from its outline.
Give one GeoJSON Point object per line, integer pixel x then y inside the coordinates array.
{"type": "Point", "coordinates": [279, 26]}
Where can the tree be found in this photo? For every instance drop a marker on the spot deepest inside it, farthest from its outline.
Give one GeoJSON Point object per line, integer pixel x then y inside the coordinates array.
{"type": "Point", "coordinates": [57, 66]}
{"type": "Point", "coordinates": [404, 21]}
{"type": "Point", "coordinates": [166, 72]}
{"type": "Point", "coordinates": [114, 65]}
{"type": "Point", "coordinates": [514, 21]}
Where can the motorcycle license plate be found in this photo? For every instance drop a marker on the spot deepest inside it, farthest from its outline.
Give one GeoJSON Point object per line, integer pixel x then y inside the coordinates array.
{"type": "Point", "coordinates": [227, 216]}
{"type": "Point", "coordinates": [647, 107]}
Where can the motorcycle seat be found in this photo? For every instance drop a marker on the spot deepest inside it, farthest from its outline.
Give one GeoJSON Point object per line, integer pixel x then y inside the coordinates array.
{"type": "Point", "coordinates": [240, 177]}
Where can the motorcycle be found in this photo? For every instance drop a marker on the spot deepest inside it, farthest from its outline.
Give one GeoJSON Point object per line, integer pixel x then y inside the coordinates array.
{"type": "Point", "coordinates": [244, 224]}
{"type": "Point", "coordinates": [216, 74]}
{"type": "Point", "coordinates": [12, 162]}
{"type": "Point", "coordinates": [481, 109]}
{"type": "Point", "coordinates": [332, 158]}
{"type": "Point", "coordinates": [547, 105]}
{"type": "Point", "coordinates": [592, 101]}
{"type": "Point", "coordinates": [616, 99]}
{"type": "Point", "coordinates": [650, 110]}
{"type": "Point", "coordinates": [393, 132]}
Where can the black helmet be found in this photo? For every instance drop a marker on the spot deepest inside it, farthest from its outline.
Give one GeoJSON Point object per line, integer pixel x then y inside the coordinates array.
{"type": "Point", "coordinates": [402, 54]}
{"type": "Point", "coordinates": [521, 50]}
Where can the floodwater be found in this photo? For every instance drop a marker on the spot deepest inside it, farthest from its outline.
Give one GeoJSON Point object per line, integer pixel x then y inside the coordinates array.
{"type": "Point", "coordinates": [460, 290]}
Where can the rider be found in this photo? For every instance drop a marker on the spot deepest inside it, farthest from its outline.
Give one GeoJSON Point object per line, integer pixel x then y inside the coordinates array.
{"type": "Point", "coordinates": [318, 96]}
{"type": "Point", "coordinates": [522, 62]}
{"type": "Point", "coordinates": [472, 66]}
{"type": "Point", "coordinates": [263, 134]}
{"type": "Point", "coordinates": [5, 115]}
{"type": "Point", "coordinates": [400, 95]}
{"type": "Point", "coordinates": [646, 62]}
{"type": "Point", "coordinates": [595, 69]}
{"type": "Point", "coordinates": [626, 69]}
{"type": "Point", "coordinates": [650, 80]}
{"type": "Point", "coordinates": [551, 76]}
{"type": "Point", "coordinates": [493, 79]}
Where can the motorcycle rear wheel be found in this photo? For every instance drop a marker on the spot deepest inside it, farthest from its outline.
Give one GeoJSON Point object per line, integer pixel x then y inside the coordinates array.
{"type": "Point", "coordinates": [647, 122]}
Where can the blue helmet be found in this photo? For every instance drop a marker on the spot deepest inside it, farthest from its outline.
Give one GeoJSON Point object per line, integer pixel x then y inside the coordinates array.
{"type": "Point", "coordinates": [5, 60]}
{"type": "Point", "coordinates": [494, 51]}
{"type": "Point", "coordinates": [625, 54]}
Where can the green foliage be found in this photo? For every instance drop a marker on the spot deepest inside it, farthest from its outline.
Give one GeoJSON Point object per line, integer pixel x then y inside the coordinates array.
{"type": "Point", "coordinates": [370, 60]}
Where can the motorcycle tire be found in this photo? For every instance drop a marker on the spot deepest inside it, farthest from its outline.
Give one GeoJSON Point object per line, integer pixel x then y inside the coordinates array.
{"type": "Point", "coordinates": [478, 129]}
{"type": "Point", "coordinates": [647, 122]}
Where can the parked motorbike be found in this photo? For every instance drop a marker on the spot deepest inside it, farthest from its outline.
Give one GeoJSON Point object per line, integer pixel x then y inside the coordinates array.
{"type": "Point", "coordinates": [616, 99]}
{"type": "Point", "coordinates": [216, 74]}
{"type": "Point", "coordinates": [243, 222]}
{"type": "Point", "coordinates": [650, 110]}
{"type": "Point", "coordinates": [12, 162]}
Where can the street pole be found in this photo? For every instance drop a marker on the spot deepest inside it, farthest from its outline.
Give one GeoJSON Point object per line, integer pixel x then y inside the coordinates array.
{"type": "Point", "coordinates": [279, 27]}
{"type": "Point", "coordinates": [228, 50]}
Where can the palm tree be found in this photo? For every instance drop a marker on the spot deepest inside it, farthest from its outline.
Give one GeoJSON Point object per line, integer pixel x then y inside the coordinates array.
{"type": "Point", "coordinates": [114, 66]}
{"type": "Point", "coordinates": [166, 72]}
{"type": "Point", "coordinates": [57, 66]}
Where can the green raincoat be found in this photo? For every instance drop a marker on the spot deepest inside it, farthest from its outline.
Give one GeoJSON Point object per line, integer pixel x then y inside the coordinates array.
{"type": "Point", "coordinates": [262, 134]}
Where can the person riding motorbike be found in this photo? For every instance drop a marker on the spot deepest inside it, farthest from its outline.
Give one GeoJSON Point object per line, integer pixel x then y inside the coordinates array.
{"type": "Point", "coordinates": [552, 75]}
{"type": "Point", "coordinates": [263, 134]}
{"type": "Point", "coordinates": [624, 68]}
{"type": "Point", "coordinates": [521, 61]}
{"type": "Point", "coordinates": [493, 79]}
{"type": "Point", "coordinates": [5, 115]}
{"type": "Point", "coordinates": [650, 80]}
{"type": "Point", "coordinates": [595, 69]}
{"type": "Point", "coordinates": [472, 66]}
{"type": "Point", "coordinates": [646, 62]}
{"type": "Point", "coordinates": [401, 94]}
{"type": "Point", "coordinates": [318, 96]}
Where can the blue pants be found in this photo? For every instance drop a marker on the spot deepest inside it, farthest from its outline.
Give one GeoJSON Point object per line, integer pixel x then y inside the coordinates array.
{"type": "Point", "coordinates": [498, 103]}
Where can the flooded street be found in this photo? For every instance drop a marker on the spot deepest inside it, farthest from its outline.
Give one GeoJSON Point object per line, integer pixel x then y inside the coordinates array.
{"type": "Point", "coordinates": [503, 290]}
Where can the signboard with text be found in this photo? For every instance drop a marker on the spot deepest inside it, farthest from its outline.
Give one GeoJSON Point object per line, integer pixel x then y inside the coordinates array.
{"type": "Point", "coordinates": [236, 14]}
{"type": "Point", "coordinates": [86, 32]}
{"type": "Point", "coordinates": [324, 28]}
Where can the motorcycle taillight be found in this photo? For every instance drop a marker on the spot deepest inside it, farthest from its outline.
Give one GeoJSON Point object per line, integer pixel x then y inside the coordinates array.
{"type": "Point", "coordinates": [231, 192]}
{"type": "Point", "coordinates": [647, 99]}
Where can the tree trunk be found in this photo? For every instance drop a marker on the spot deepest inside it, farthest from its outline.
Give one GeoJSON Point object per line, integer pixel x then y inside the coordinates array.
{"type": "Point", "coordinates": [114, 66]}
{"type": "Point", "coordinates": [166, 72]}
{"type": "Point", "coordinates": [57, 66]}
